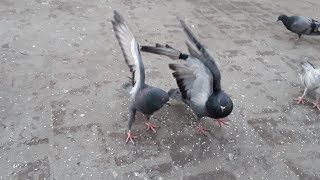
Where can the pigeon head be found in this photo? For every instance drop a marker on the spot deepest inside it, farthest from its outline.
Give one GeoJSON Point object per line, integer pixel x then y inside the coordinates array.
{"type": "Point", "coordinates": [283, 18]}
{"type": "Point", "coordinates": [156, 99]}
{"type": "Point", "coordinates": [219, 105]}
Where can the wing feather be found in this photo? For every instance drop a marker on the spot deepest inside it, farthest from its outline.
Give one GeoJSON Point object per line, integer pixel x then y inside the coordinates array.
{"type": "Point", "coordinates": [194, 80]}
{"type": "Point", "coordinates": [130, 50]}
{"type": "Point", "coordinates": [206, 58]}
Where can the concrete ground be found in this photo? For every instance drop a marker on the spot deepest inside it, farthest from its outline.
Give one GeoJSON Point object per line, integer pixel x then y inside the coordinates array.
{"type": "Point", "coordinates": [64, 109]}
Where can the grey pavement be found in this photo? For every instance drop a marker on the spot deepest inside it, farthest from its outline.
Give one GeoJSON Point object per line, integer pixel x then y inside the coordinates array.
{"type": "Point", "coordinates": [63, 108]}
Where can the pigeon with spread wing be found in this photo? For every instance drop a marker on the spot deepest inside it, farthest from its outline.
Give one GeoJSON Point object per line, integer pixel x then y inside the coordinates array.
{"type": "Point", "coordinates": [144, 98]}
{"type": "Point", "coordinates": [198, 79]}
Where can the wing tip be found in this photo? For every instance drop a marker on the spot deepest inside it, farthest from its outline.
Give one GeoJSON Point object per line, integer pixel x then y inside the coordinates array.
{"type": "Point", "coordinates": [182, 22]}
{"type": "Point", "coordinates": [117, 19]}
{"type": "Point", "coordinates": [117, 16]}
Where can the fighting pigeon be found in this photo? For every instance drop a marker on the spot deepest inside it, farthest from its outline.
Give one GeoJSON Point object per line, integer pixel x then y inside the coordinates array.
{"type": "Point", "coordinates": [144, 98]}
{"type": "Point", "coordinates": [311, 81]}
{"type": "Point", "coordinates": [198, 80]}
{"type": "Point", "coordinates": [300, 25]}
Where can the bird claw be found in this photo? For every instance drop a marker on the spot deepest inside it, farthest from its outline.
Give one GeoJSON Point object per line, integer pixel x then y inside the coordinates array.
{"type": "Point", "coordinates": [202, 130]}
{"type": "Point", "coordinates": [151, 126]}
{"type": "Point", "coordinates": [130, 137]}
{"type": "Point", "coordinates": [300, 100]}
{"type": "Point", "coordinates": [222, 121]}
{"type": "Point", "coordinates": [316, 105]}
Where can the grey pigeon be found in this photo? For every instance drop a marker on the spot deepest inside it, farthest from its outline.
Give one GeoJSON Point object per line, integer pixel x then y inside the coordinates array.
{"type": "Point", "coordinates": [198, 80]}
{"type": "Point", "coordinates": [144, 98]}
{"type": "Point", "coordinates": [300, 25]}
{"type": "Point", "coordinates": [311, 81]}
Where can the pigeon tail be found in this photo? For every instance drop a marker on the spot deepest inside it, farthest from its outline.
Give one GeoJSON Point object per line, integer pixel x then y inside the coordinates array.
{"type": "Point", "coordinates": [165, 50]}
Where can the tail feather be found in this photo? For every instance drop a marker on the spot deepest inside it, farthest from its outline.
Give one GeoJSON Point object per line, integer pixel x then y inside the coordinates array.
{"type": "Point", "coordinates": [162, 50]}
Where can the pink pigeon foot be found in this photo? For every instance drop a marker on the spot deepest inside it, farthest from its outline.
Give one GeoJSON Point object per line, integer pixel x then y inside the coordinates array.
{"type": "Point", "coordinates": [222, 121]}
{"type": "Point", "coordinates": [201, 129]}
{"type": "Point", "coordinates": [130, 137]}
{"type": "Point", "coordinates": [316, 105]}
{"type": "Point", "coordinates": [151, 126]}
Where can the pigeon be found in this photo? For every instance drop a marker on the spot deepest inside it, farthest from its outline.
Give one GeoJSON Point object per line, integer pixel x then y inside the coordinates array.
{"type": "Point", "coordinates": [198, 79]}
{"type": "Point", "coordinates": [300, 25]}
{"type": "Point", "coordinates": [143, 98]}
{"type": "Point", "coordinates": [311, 81]}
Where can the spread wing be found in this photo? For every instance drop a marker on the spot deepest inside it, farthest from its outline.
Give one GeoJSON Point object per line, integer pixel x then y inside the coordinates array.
{"type": "Point", "coordinates": [206, 58]}
{"type": "Point", "coordinates": [130, 50]}
{"type": "Point", "coordinates": [194, 80]}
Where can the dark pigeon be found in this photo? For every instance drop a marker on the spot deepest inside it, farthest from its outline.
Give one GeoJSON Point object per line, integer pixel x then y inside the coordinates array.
{"type": "Point", "coordinates": [198, 79]}
{"type": "Point", "coordinates": [300, 25]}
{"type": "Point", "coordinates": [143, 97]}
{"type": "Point", "coordinates": [311, 81]}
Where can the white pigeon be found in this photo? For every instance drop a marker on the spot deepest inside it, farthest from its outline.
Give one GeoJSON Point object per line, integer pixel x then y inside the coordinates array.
{"type": "Point", "coordinates": [311, 81]}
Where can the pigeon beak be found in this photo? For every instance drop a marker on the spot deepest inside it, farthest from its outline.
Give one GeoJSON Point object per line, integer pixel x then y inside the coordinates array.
{"type": "Point", "coordinates": [222, 108]}
{"type": "Point", "coordinates": [278, 20]}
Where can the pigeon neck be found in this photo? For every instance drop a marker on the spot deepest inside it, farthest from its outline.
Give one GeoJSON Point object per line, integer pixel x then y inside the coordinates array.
{"type": "Point", "coordinates": [288, 22]}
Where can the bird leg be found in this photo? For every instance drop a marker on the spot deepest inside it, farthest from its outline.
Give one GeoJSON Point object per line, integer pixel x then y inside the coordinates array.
{"type": "Point", "coordinates": [130, 137]}
{"type": "Point", "coordinates": [201, 129]}
{"type": "Point", "coordinates": [222, 121]}
{"type": "Point", "coordinates": [300, 99]}
{"type": "Point", "coordinates": [150, 125]}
